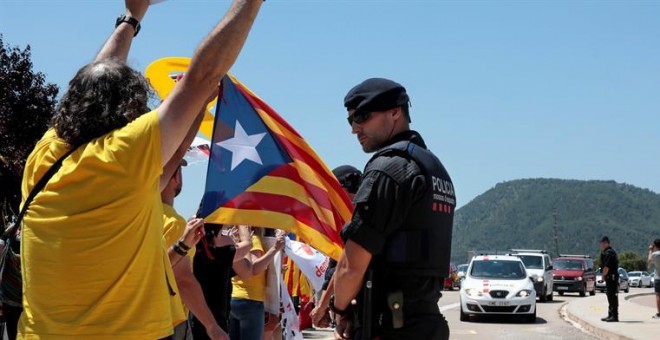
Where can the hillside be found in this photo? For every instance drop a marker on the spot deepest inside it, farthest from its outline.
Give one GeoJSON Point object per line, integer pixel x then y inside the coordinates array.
{"type": "Point", "coordinates": [519, 214]}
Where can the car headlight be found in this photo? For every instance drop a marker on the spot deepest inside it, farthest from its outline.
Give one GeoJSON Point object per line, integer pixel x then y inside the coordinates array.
{"type": "Point", "coordinates": [471, 292]}
{"type": "Point", "coordinates": [579, 278]}
{"type": "Point", "coordinates": [539, 279]}
{"type": "Point", "coordinates": [524, 293]}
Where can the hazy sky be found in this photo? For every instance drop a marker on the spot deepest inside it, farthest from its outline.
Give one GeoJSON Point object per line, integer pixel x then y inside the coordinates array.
{"type": "Point", "coordinates": [500, 90]}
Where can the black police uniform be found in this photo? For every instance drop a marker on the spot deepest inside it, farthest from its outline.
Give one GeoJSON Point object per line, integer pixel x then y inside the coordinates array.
{"type": "Point", "coordinates": [609, 259]}
{"type": "Point", "coordinates": [403, 216]}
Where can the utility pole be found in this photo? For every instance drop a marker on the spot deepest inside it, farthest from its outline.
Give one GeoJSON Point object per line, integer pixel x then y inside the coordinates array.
{"type": "Point", "coordinates": [554, 227]}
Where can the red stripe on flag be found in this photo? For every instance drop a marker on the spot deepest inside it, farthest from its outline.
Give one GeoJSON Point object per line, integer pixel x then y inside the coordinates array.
{"type": "Point", "coordinates": [289, 171]}
{"type": "Point", "coordinates": [247, 201]}
{"type": "Point", "coordinates": [302, 155]}
{"type": "Point", "coordinates": [292, 149]}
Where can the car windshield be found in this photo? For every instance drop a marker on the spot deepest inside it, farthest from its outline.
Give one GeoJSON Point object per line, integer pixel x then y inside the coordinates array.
{"type": "Point", "coordinates": [635, 274]}
{"type": "Point", "coordinates": [531, 261]}
{"type": "Point", "coordinates": [568, 264]}
{"type": "Point", "coordinates": [498, 269]}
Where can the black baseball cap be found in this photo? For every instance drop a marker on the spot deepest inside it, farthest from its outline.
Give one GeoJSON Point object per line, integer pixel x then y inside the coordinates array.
{"type": "Point", "coordinates": [376, 94]}
{"type": "Point", "coordinates": [605, 239]}
{"type": "Point", "coordinates": [349, 177]}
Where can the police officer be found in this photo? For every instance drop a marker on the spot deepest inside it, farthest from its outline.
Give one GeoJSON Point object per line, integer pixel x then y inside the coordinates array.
{"type": "Point", "coordinates": [609, 262]}
{"type": "Point", "coordinates": [349, 177]}
{"type": "Point", "coordinates": [399, 238]}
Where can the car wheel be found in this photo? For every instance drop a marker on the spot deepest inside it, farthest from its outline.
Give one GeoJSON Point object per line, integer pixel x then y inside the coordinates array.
{"type": "Point", "coordinates": [627, 289]}
{"type": "Point", "coordinates": [561, 293]}
{"type": "Point", "coordinates": [583, 292]}
{"type": "Point", "coordinates": [551, 296]}
{"type": "Point", "coordinates": [544, 295]}
{"type": "Point", "coordinates": [464, 316]}
{"type": "Point", "coordinates": [531, 318]}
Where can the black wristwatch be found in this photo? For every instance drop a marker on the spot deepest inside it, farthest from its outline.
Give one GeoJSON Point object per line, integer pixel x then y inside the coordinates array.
{"type": "Point", "coordinates": [129, 20]}
{"type": "Point", "coordinates": [335, 310]}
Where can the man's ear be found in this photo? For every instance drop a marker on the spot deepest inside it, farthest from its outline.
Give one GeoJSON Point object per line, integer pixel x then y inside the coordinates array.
{"type": "Point", "coordinates": [396, 112]}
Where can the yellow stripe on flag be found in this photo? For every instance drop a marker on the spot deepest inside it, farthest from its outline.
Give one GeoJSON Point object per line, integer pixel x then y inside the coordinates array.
{"type": "Point", "coordinates": [286, 187]}
{"type": "Point", "coordinates": [279, 220]}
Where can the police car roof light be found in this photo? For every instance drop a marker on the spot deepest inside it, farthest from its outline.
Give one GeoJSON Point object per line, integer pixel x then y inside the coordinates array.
{"type": "Point", "coordinates": [569, 255]}
{"type": "Point", "coordinates": [540, 251]}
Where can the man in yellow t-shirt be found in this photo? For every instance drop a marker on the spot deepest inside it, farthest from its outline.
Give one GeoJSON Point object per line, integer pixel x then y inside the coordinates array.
{"type": "Point", "coordinates": [191, 294]}
{"type": "Point", "coordinates": [93, 261]}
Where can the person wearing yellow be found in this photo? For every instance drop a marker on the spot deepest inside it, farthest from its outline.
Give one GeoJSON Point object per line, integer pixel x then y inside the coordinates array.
{"type": "Point", "coordinates": [191, 294]}
{"type": "Point", "coordinates": [93, 261]}
{"type": "Point", "coordinates": [249, 290]}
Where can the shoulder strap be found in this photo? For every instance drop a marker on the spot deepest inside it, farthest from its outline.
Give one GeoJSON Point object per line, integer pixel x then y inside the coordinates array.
{"type": "Point", "coordinates": [37, 188]}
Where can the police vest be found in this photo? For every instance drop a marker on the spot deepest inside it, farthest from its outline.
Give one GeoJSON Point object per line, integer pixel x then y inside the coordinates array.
{"type": "Point", "coordinates": [422, 246]}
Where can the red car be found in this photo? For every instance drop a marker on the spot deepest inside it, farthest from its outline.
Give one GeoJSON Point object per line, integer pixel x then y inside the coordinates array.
{"type": "Point", "coordinates": [452, 280]}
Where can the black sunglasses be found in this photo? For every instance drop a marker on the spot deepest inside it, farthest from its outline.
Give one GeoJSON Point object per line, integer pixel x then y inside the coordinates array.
{"type": "Point", "coordinates": [358, 117]}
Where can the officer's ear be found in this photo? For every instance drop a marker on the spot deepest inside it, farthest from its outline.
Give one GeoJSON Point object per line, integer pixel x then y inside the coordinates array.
{"type": "Point", "coordinates": [396, 112]}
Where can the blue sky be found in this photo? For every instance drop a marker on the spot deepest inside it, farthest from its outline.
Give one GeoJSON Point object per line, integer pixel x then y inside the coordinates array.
{"type": "Point", "coordinates": [500, 90]}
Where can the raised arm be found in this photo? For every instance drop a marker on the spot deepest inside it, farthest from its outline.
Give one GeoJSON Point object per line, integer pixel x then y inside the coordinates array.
{"type": "Point", "coordinates": [173, 164]}
{"type": "Point", "coordinates": [211, 61]}
{"type": "Point", "coordinates": [119, 43]}
{"type": "Point", "coordinates": [260, 260]}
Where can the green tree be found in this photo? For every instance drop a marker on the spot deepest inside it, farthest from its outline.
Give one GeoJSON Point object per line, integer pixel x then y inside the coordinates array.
{"type": "Point", "coordinates": [632, 261]}
{"type": "Point", "coordinates": [27, 103]}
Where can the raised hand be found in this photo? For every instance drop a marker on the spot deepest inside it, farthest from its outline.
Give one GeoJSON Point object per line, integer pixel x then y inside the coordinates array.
{"type": "Point", "coordinates": [194, 232]}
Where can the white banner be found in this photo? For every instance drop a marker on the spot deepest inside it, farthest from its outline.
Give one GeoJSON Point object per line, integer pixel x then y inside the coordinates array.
{"type": "Point", "coordinates": [290, 322]}
{"type": "Point", "coordinates": [311, 262]}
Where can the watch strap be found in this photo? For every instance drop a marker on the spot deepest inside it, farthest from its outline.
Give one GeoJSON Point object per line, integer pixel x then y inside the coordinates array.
{"type": "Point", "coordinates": [129, 20]}
{"type": "Point", "coordinates": [335, 310]}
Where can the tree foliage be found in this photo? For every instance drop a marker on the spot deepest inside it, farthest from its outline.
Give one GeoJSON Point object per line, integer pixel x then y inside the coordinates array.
{"type": "Point", "coordinates": [27, 104]}
{"type": "Point", "coordinates": [522, 214]}
{"type": "Point", "coordinates": [632, 261]}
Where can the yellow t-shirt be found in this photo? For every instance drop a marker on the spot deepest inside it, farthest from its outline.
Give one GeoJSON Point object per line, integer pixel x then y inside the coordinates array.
{"type": "Point", "coordinates": [173, 227]}
{"type": "Point", "coordinates": [94, 264]}
{"type": "Point", "coordinates": [253, 288]}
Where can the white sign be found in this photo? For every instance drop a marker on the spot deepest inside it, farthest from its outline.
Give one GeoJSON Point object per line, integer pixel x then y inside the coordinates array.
{"type": "Point", "coordinates": [311, 262]}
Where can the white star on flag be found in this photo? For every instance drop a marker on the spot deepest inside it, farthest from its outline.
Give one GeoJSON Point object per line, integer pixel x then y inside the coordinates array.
{"type": "Point", "coordinates": [242, 146]}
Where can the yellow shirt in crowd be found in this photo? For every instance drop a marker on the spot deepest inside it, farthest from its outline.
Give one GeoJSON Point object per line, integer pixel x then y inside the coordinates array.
{"type": "Point", "coordinates": [93, 259]}
{"type": "Point", "coordinates": [253, 288]}
{"type": "Point", "coordinates": [173, 227]}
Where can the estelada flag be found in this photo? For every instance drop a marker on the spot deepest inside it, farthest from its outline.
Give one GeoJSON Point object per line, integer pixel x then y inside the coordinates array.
{"type": "Point", "coordinates": [261, 172]}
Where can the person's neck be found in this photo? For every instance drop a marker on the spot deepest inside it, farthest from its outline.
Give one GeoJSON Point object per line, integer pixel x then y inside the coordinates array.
{"type": "Point", "coordinates": [167, 196]}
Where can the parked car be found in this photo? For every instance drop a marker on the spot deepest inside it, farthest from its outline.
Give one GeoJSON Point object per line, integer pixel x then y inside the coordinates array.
{"type": "Point", "coordinates": [652, 276]}
{"type": "Point", "coordinates": [451, 281]}
{"type": "Point", "coordinates": [462, 270]}
{"type": "Point", "coordinates": [639, 279]}
{"type": "Point", "coordinates": [497, 284]}
{"type": "Point", "coordinates": [574, 273]}
{"type": "Point", "coordinates": [624, 284]}
{"type": "Point", "coordinates": [539, 267]}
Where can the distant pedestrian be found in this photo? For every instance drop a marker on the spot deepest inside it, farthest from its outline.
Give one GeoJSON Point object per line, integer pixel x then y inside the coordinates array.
{"type": "Point", "coordinates": [609, 262]}
{"type": "Point", "coordinates": [654, 259]}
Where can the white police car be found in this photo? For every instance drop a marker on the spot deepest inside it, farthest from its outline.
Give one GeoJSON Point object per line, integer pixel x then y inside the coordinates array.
{"type": "Point", "coordinates": [497, 284]}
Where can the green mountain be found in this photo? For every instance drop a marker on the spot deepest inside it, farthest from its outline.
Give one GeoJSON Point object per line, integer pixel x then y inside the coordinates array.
{"type": "Point", "coordinates": [522, 214]}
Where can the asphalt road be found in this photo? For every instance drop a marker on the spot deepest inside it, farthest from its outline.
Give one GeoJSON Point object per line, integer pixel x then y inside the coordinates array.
{"type": "Point", "coordinates": [549, 323]}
